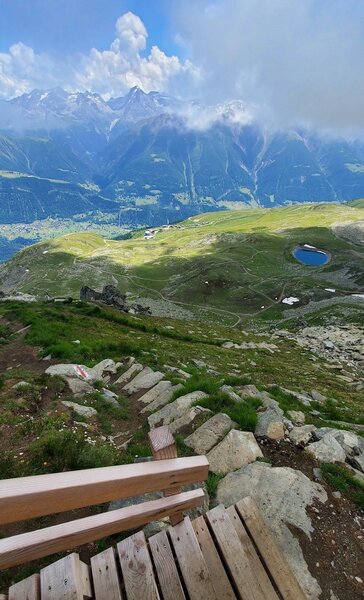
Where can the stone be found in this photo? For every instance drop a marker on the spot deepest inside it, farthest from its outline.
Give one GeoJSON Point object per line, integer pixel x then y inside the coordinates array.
{"type": "Point", "coordinates": [228, 390]}
{"type": "Point", "coordinates": [297, 417]}
{"type": "Point", "coordinates": [282, 495]}
{"type": "Point", "coordinates": [199, 363]}
{"type": "Point", "coordinates": [336, 495]}
{"type": "Point", "coordinates": [84, 411]}
{"type": "Point", "coordinates": [172, 411]}
{"type": "Point", "coordinates": [317, 473]}
{"type": "Point", "coordinates": [270, 424]}
{"type": "Point", "coordinates": [178, 371]}
{"type": "Point", "coordinates": [133, 370]}
{"type": "Point", "coordinates": [249, 391]}
{"type": "Point", "coordinates": [110, 397]}
{"type": "Point", "coordinates": [78, 387]}
{"type": "Point", "coordinates": [145, 380]}
{"type": "Point", "coordinates": [348, 440]}
{"type": "Point", "coordinates": [238, 448]}
{"type": "Point", "coordinates": [326, 450]}
{"type": "Point", "coordinates": [105, 366]}
{"type": "Point", "coordinates": [317, 397]}
{"type": "Point", "coordinates": [162, 399]}
{"type": "Point", "coordinates": [228, 345]}
{"type": "Point", "coordinates": [21, 385]}
{"type": "Point", "coordinates": [187, 418]}
{"type": "Point", "coordinates": [155, 392]}
{"type": "Point", "coordinates": [301, 436]}
{"type": "Point", "coordinates": [358, 462]}
{"type": "Point", "coordinates": [72, 371]}
{"type": "Point", "coordinates": [209, 433]}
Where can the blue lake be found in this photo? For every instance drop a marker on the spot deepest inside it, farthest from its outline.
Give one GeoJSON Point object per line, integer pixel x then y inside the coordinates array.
{"type": "Point", "coordinates": [313, 258]}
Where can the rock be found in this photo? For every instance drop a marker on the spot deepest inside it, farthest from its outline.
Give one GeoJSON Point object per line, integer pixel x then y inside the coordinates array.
{"type": "Point", "coordinates": [336, 495]}
{"type": "Point", "coordinates": [358, 462]}
{"type": "Point", "coordinates": [187, 418]}
{"type": "Point", "coordinates": [133, 370]}
{"type": "Point", "coordinates": [317, 397]}
{"type": "Point", "coordinates": [110, 397]}
{"type": "Point", "coordinates": [20, 385]}
{"type": "Point", "coordinates": [306, 401]}
{"type": "Point", "coordinates": [145, 380]}
{"type": "Point", "coordinates": [317, 474]}
{"type": "Point", "coordinates": [76, 342]}
{"type": "Point", "coordinates": [175, 409]}
{"type": "Point", "coordinates": [227, 389]}
{"type": "Point", "coordinates": [162, 399]}
{"type": "Point", "coordinates": [270, 424]}
{"type": "Point", "coordinates": [72, 371]}
{"type": "Point", "coordinates": [105, 366]}
{"type": "Point", "coordinates": [282, 495]}
{"type": "Point", "coordinates": [179, 372]}
{"type": "Point", "coordinates": [349, 441]}
{"type": "Point", "coordinates": [301, 435]}
{"type": "Point", "coordinates": [238, 448]}
{"type": "Point", "coordinates": [156, 391]}
{"type": "Point", "coordinates": [199, 363]}
{"type": "Point", "coordinates": [209, 434]}
{"type": "Point", "coordinates": [110, 295]}
{"type": "Point", "coordinates": [249, 391]}
{"type": "Point", "coordinates": [78, 387]}
{"type": "Point", "coordinates": [84, 411]}
{"type": "Point", "coordinates": [228, 345]}
{"type": "Point", "coordinates": [326, 450]}
{"type": "Point", "coordinates": [297, 417]}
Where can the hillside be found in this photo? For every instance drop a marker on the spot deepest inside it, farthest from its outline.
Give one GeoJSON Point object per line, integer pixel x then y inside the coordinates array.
{"type": "Point", "coordinates": [234, 266]}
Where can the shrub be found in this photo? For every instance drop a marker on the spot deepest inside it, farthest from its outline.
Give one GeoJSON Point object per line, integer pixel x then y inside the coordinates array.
{"type": "Point", "coordinates": [243, 413]}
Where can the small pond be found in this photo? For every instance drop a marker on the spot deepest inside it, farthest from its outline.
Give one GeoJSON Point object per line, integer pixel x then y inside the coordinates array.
{"type": "Point", "coordinates": [311, 256]}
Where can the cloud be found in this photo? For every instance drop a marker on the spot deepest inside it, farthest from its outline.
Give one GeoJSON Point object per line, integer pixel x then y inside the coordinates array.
{"type": "Point", "coordinates": [297, 61]}
{"type": "Point", "coordinates": [109, 72]}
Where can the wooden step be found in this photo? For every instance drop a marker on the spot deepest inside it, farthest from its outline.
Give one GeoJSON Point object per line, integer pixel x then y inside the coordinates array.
{"type": "Point", "coordinates": [193, 566]}
{"type": "Point", "coordinates": [165, 566]}
{"type": "Point", "coordinates": [65, 579]}
{"type": "Point", "coordinates": [28, 589]}
{"type": "Point", "coordinates": [105, 576]}
{"type": "Point", "coordinates": [276, 564]}
{"type": "Point", "coordinates": [137, 568]}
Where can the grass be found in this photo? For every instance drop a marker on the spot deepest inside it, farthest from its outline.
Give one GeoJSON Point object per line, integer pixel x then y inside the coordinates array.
{"type": "Point", "coordinates": [212, 483]}
{"type": "Point", "coordinates": [340, 478]}
{"type": "Point", "coordinates": [243, 413]}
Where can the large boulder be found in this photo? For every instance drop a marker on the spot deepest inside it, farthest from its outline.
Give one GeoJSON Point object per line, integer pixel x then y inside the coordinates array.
{"type": "Point", "coordinates": [174, 410]}
{"type": "Point", "coordinates": [163, 397]}
{"type": "Point", "coordinates": [327, 450]}
{"type": "Point", "coordinates": [110, 295]}
{"type": "Point", "coordinates": [301, 436]}
{"type": "Point", "coordinates": [282, 495]}
{"type": "Point", "coordinates": [72, 371]}
{"type": "Point", "coordinates": [133, 370]}
{"type": "Point", "coordinates": [78, 387]}
{"type": "Point", "coordinates": [348, 440]}
{"type": "Point", "coordinates": [105, 366]}
{"type": "Point", "coordinates": [297, 417]}
{"type": "Point", "coordinates": [188, 418]}
{"type": "Point", "coordinates": [209, 433]}
{"type": "Point", "coordinates": [270, 424]}
{"type": "Point", "coordinates": [238, 448]}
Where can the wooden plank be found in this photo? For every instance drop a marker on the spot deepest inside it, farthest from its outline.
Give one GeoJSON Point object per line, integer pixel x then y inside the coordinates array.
{"type": "Point", "coordinates": [163, 446]}
{"type": "Point", "coordinates": [29, 497]}
{"type": "Point", "coordinates": [62, 579]}
{"type": "Point", "coordinates": [220, 580]}
{"type": "Point", "coordinates": [258, 569]}
{"type": "Point", "coordinates": [234, 555]}
{"type": "Point", "coordinates": [35, 544]}
{"type": "Point", "coordinates": [275, 562]}
{"type": "Point", "coordinates": [86, 580]}
{"type": "Point", "coordinates": [137, 568]}
{"type": "Point", "coordinates": [28, 589]}
{"type": "Point", "coordinates": [105, 576]}
{"type": "Point", "coordinates": [165, 566]}
{"type": "Point", "coordinates": [191, 561]}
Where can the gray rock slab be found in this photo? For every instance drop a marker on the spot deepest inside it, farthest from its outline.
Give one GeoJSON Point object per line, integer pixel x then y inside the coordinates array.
{"type": "Point", "coordinates": [161, 400]}
{"type": "Point", "coordinates": [326, 450]}
{"type": "Point", "coordinates": [145, 380]}
{"type": "Point", "coordinates": [317, 396]}
{"type": "Point", "coordinates": [358, 462]}
{"type": "Point", "coordinates": [155, 392]}
{"type": "Point", "coordinates": [188, 418]}
{"type": "Point", "coordinates": [282, 495]}
{"type": "Point", "coordinates": [270, 424]}
{"type": "Point", "coordinates": [84, 411]}
{"type": "Point", "coordinates": [227, 389]}
{"type": "Point", "coordinates": [172, 411]}
{"type": "Point", "coordinates": [348, 440]}
{"type": "Point", "coordinates": [297, 417]}
{"type": "Point", "coordinates": [133, 370]}
{"type": "Point", "coordinates": [177, 371]}
{"type": "Point", "coordinates": [238, 448]}
{"type": "Point", "coordinates": [209, 433]}
{"type": "Point", "coordinates": [73, 371]}
{"type": "Point", "coordinates": [301, 436]}
{"type": "Point", "coordinates": [78, 387]}
{"type": "Point", "coordinates": [110, 397]}
{"type": "Point", "coordinates": [105, 366]}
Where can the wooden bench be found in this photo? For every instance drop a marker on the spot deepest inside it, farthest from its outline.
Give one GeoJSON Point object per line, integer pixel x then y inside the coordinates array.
{"type": "Point", "coordinates": [228, 554]}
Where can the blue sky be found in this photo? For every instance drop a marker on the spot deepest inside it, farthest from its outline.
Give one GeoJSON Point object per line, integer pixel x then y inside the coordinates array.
{"type": "Point", "coordinates": [288, 61]}
{"type": "Point", "coordinates": [66, 26]}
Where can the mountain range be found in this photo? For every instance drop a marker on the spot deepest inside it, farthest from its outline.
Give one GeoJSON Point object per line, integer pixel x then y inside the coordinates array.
{"type": "Point", "coordinates": [144, 159]}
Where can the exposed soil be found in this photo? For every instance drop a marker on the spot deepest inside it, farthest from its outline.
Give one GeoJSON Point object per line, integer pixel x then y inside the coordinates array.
{"type": "Point", "coordinates": [335, 552]}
